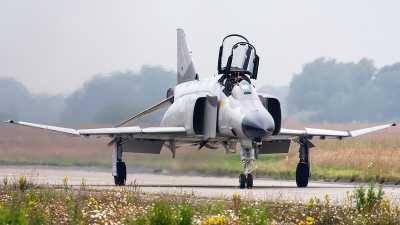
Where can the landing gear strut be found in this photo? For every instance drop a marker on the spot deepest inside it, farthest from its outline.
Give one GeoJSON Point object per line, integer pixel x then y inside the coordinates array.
{"type": "Point", "coordinates": [303, 168]}
{"type": "Point", "coordinates": [119, 167]}
{"type": "Point", "coordinates": [247, 156]}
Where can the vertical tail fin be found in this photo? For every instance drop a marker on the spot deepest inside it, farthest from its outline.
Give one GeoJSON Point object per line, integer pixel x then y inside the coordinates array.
{"type": "Point", "coordinates": [185, 71]}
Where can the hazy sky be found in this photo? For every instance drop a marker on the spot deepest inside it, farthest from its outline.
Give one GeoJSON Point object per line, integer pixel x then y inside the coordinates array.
{"type": "Point", "coordinates": [54, 46]}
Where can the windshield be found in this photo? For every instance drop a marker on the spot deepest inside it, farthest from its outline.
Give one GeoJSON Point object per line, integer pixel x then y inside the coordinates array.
{"type": "Point", "coordinates": [243, 56]}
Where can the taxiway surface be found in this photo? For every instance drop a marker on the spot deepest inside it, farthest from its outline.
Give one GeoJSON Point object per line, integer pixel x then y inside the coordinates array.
{"type": "Point", "coordinates": [264, 189]}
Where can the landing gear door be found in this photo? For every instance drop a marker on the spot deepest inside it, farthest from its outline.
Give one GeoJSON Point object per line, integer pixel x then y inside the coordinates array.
{"type": "Point", "coordinates": [210, 117]}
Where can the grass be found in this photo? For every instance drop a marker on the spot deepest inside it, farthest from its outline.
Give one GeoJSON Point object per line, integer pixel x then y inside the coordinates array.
{"type": "Point", "coordinates": [373, 157]}
{"type": "Point", "coordinates": [32, 203]}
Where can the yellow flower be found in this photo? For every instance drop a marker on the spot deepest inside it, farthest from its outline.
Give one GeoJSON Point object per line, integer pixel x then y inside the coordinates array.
{"type": "Point", "coordinates": [236, 195]}
{"type": "Point", "coordinates": [211, 220]}
{"type": "Point", "coordinates": [21, 180]}
{"type": "Point", "coordinates": [347, 192]}
{"type": "Point", "coordinates": [67, 199]}
{"type": "Point", "coordinates": [310, 220]}
{"type": "Point", "coordinates": [310, 203]}
{"type": "Point", "coordinates": [113, 189]}
{"type": "Point", "coordinates": [301, 222]}
{"type": "Point", "coordinates": [31, 204]}
{"type": "Point", "coordinates": [65, 179]}
{"type": "Point", "coordinates": [83, 216]}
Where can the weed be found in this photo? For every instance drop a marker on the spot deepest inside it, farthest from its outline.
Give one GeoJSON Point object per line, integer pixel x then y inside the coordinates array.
{"type": "Point", "coordinates": [23, 184]}
{"type": "Point", "coordinates": [65, 182]}
{"type": "Point", "coordinates": [83, 182]}
{"type": "Point", "coordinates": [370, 200]}
{"type": "Point", "coordinates": [5, 179]}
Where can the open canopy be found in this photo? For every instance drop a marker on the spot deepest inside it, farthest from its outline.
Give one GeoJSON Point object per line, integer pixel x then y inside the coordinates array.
{"type": "Point", "coordinates": [237, 57]}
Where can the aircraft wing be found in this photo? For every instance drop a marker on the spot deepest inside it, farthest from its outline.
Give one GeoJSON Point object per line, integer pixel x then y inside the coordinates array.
{"type": "Point", "coordinates": [157, 133]}
{"type": "Point", "coordinates": [327, 134]}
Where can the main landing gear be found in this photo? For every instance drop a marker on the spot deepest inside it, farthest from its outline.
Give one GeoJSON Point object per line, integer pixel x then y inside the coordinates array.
{"type": "Point", "coordinates": [246, 179]}
{"type": "Point", "coordinates": [119, 167]}
{"type": "Point", "coordinates": [303, 172]}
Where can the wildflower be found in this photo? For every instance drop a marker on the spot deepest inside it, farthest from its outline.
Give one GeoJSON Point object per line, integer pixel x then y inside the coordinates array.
{"type": "Point", "coordinates": [347, 192]}
{"type": "Point", "coordinates": [65, 179]}
{"type": "Point", "coordinates": [67, 199]}
{"type": "Point", "coordinates": [310, 220]}
{"type": "Point", "coordinates": [113, 189]}
{"type": "Point", "coordinates": [211, 221]}
{"type": "Point", "coordinates": [31, 204]}
{"type": "Point", "coordinates": [22, 182]}
{"type": "Point", "coordinates": [301, 222]}
{"type": "Point", "coordinates": [236, 195]}
{"type": "Point", "coordinates": [311, 203]}
{"type": "Point", "coordinates": [93, 201]}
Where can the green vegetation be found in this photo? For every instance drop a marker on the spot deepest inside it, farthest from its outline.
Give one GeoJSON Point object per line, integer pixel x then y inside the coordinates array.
{"type": "Point", "coordinates": [339, 92]}
{"type": "Point", "coordinates": [42, 204]}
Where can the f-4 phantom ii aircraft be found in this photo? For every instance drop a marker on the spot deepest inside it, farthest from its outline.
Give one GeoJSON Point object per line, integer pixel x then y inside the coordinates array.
{"type": "Point", "coordinates": [220, 111]}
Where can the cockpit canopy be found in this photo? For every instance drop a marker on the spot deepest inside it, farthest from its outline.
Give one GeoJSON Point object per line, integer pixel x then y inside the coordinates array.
{"type": "Point", "coordinates": [237, 57]}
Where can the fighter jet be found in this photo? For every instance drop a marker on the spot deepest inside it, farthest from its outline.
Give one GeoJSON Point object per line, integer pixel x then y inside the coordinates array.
{"type": "Point", "coordinates": [218, 112]}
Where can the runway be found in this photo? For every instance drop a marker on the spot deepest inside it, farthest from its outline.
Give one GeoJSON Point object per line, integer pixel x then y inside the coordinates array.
{"type": "Point", "coordinates": [148, 181]}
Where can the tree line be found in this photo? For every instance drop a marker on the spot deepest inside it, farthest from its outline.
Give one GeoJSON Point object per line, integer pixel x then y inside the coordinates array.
{"type": "Point", "coordinates": [328, 90]}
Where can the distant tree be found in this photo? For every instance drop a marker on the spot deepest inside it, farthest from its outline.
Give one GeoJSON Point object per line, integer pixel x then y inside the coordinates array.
{"type": "Point", "coordinates": [345, 92]}
{"type": "Point", "coordinates": [17, 101]}
{"type": "Point", "coordinates": [114, 98]}
{"type": "Point", "coordinates": [388, 82]}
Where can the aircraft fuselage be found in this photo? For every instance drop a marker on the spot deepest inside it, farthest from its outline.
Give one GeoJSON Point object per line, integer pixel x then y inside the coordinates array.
{"type": "Point", "coordinates": [240, 115]}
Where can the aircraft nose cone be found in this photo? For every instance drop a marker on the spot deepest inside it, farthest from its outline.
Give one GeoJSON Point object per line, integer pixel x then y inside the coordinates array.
{"type": "Point", "coordinates": [258, 125]}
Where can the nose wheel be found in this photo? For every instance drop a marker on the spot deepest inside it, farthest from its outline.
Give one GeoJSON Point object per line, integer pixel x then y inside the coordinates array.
{"type": "Point", "coordinates": [246, 181]}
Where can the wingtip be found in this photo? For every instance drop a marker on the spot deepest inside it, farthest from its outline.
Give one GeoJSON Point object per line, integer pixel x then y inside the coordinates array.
{"type": "Point", "coordinates": [394, 124]}
{"type": "Point", "coordinates": [9, 121]}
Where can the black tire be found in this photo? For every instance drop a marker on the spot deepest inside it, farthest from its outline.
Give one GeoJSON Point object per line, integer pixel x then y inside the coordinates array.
{"type": "Point", "coordinates": [249, 181]}
{"type": "Point", "coordinates": [302, 174]}
{"type": "Point", "coordinates": [120, 179]}
{"type": "Point", "coordinates": [242, 181]}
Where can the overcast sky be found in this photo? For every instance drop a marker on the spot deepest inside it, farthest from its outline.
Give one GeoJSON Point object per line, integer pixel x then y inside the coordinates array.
{"type": "Point", "coordinates": [55, 46]}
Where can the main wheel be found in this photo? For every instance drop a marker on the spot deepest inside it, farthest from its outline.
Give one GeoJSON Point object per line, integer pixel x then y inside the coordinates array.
{"type": "Point", "coordinates": [302, 174]}
{"type": "Point", "coordinates": [120, 179]}
{"type": "Point", "coordinates": [249, 181]}
{"type": "Point", "coordinates": [242, 181]}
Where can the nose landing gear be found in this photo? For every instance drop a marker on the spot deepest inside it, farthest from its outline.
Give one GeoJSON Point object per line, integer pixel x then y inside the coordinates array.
{"type": "Point", "coordinates": [247, 156]}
